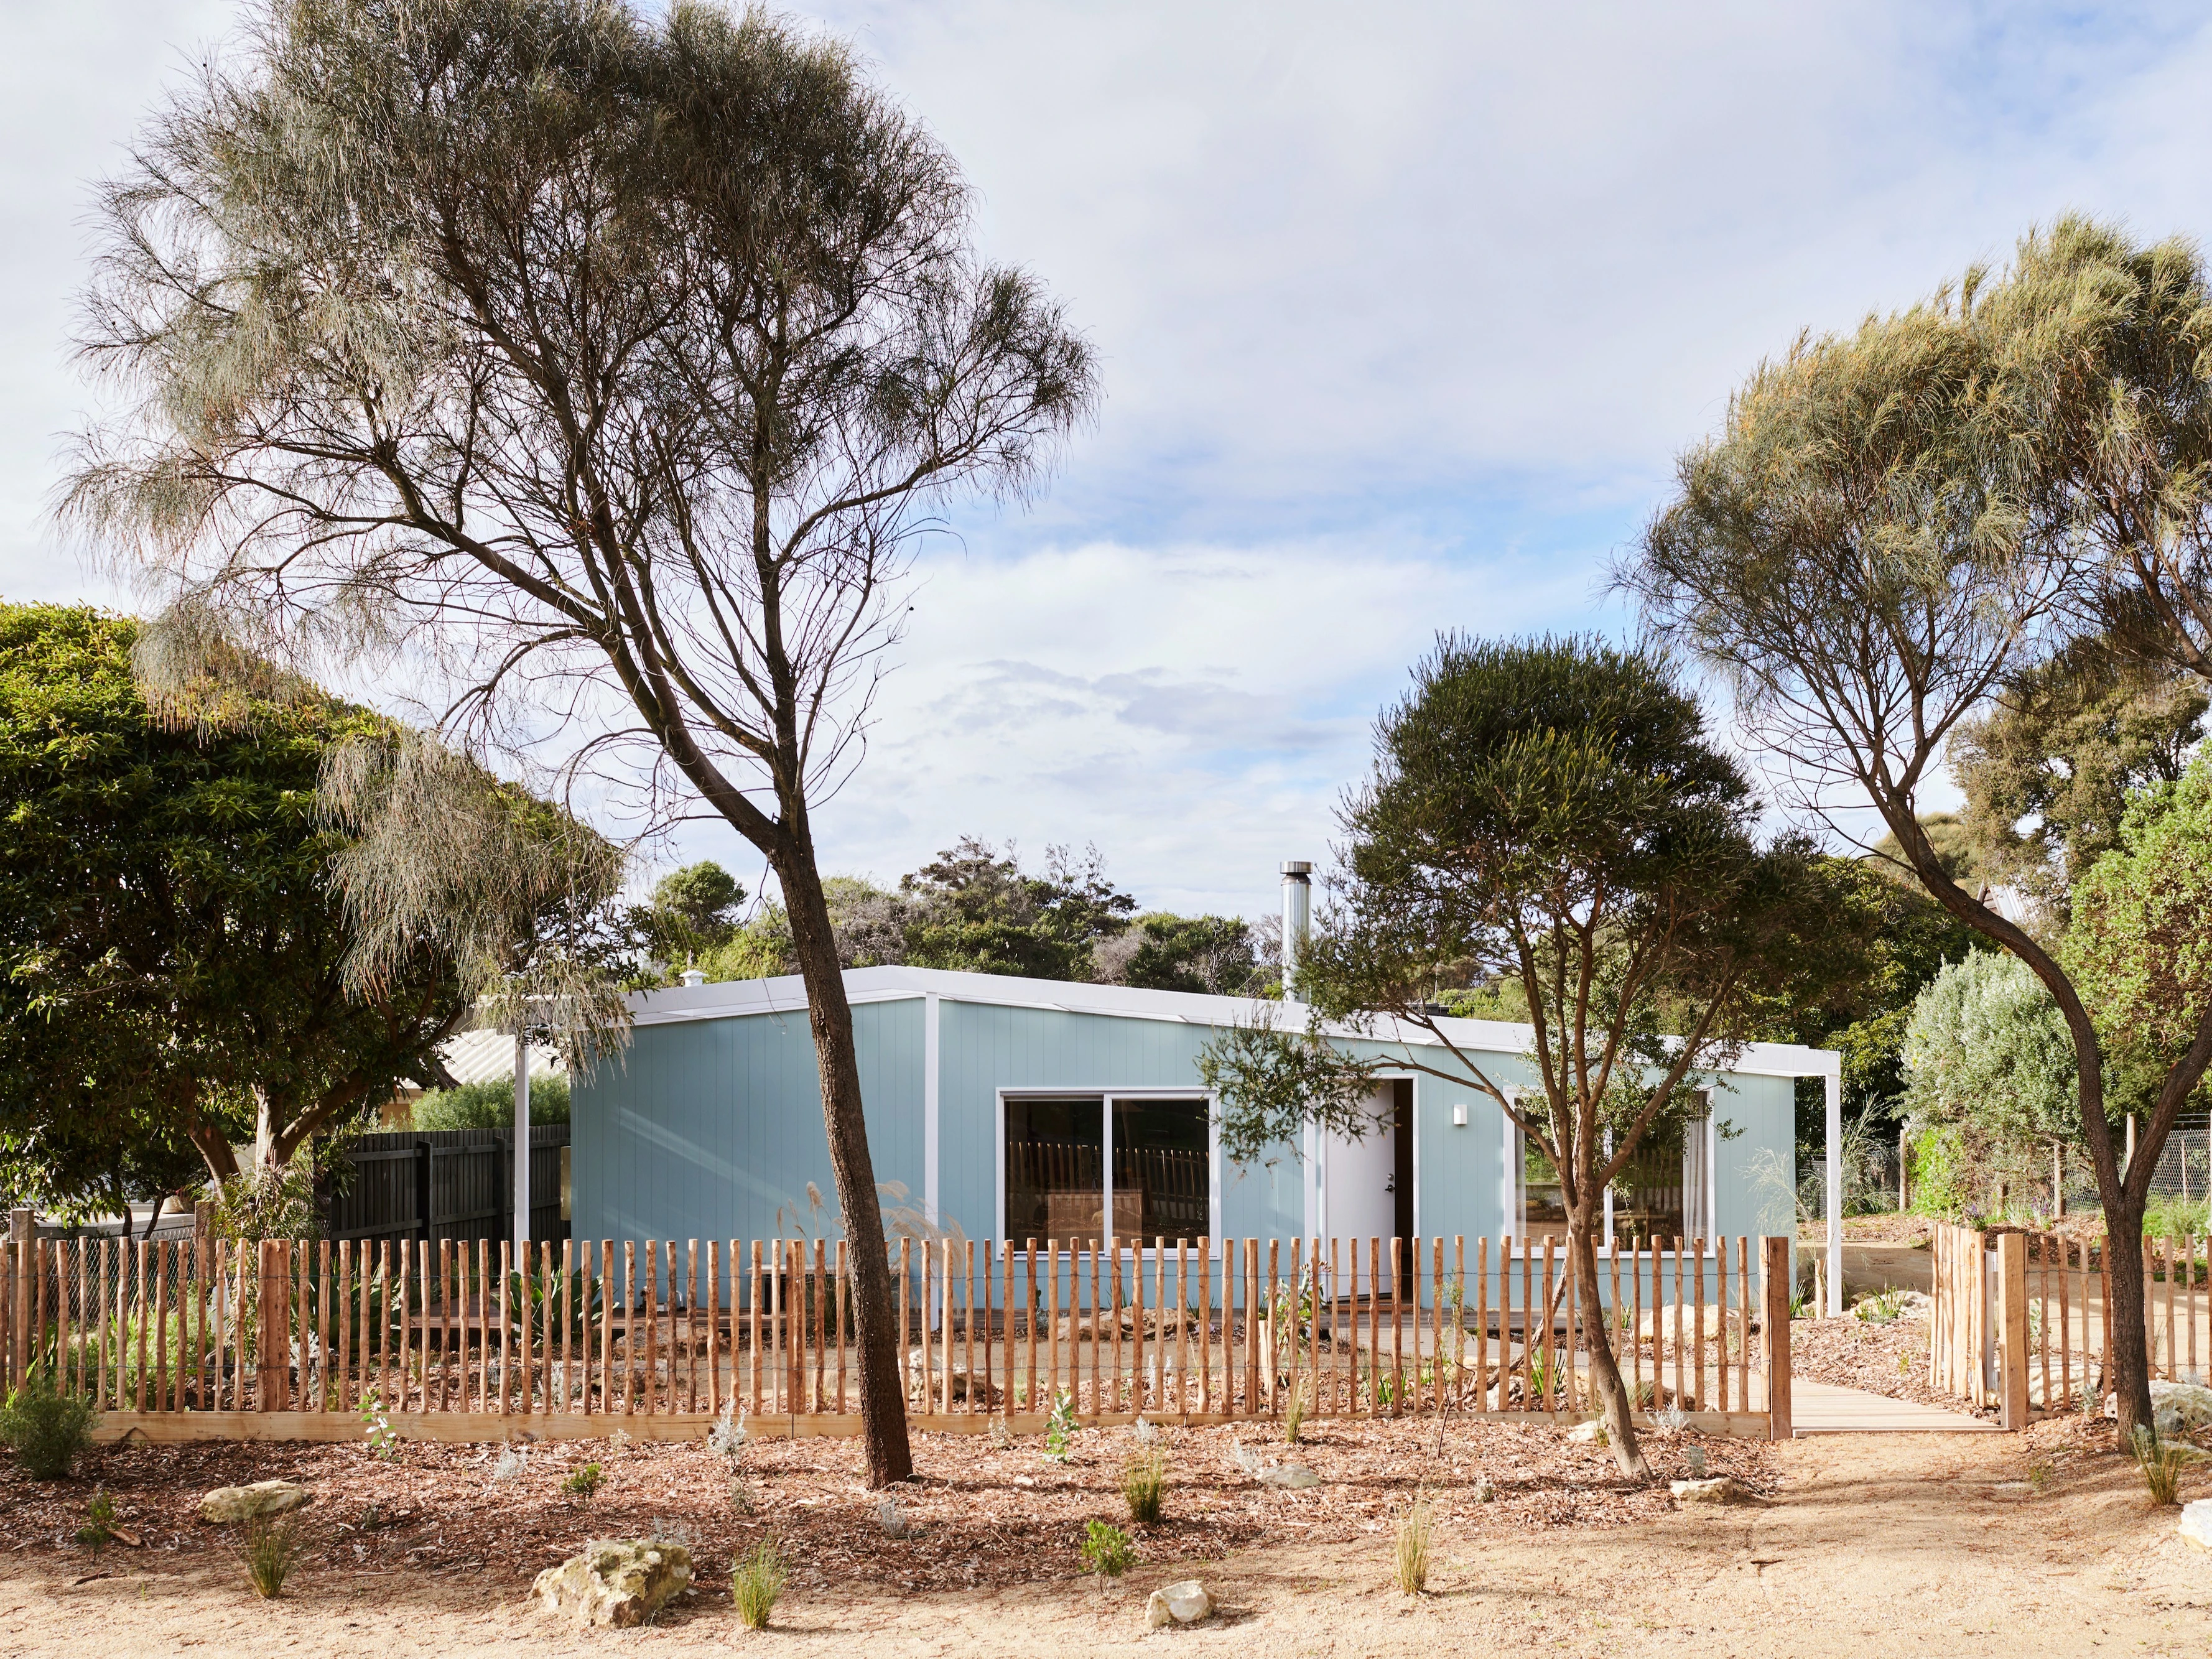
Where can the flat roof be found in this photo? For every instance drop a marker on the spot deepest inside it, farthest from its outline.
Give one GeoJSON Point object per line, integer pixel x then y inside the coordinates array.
{"type": "Point", "coordinates": [731, 999]}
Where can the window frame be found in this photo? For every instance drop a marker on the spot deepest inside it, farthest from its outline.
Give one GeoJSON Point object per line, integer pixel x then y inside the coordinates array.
{"type": "Point", "coordinates": [1111, 1242]}
{"type": "Point", "coordinates": [1513, 1189]}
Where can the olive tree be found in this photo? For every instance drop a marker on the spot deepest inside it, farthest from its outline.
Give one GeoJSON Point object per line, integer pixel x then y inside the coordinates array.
{"type": "Point", "coordinates": [1894, 526]}
{"type": "Point", "coordinates": [599, 370]}
{"type": "Point", "coordinates": [1551, 815]}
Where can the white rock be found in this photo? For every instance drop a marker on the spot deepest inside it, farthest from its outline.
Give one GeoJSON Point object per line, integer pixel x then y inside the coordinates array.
{"type": "Point", "coordinates": [1290, 1477]}
{"type": "Point", "coordinates": [1588, 1433]}
{"type": "Point", "coordinates": [621, 1582]}
{"type": "Point", "coordinates": [2196, 1523]}
{"type": "Point", "coordinates": [1721, 1489]}
{"type": "Point", "coordinates": [226, 1505]}
{"type": "Point", "coordinates": [1182, 1604]}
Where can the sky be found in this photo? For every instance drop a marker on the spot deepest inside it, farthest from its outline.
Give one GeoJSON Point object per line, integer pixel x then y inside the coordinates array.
{"type": "Point", "coordinates": [1402, 314]}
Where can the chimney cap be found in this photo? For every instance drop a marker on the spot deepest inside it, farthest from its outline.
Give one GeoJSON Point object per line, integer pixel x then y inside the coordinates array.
{"type": "Point", "coordinates": [692, 976]}
{"type": "Point", "coordinates": [1300, 867]}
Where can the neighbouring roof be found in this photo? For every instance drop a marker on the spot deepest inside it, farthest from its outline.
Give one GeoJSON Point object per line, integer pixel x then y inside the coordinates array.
{"type": "Point", "coordinates": [730, 998]}
{"type": "Point", "coordinates": [480, 1057]}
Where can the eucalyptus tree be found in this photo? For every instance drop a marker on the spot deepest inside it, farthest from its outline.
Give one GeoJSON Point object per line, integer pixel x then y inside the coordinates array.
{"type": "Point", "coordinates": [600, 367]}
{"type": "Point", "coordinates": [1552, 815]}
{"type": "Point", "coordinates": [1891, 529]}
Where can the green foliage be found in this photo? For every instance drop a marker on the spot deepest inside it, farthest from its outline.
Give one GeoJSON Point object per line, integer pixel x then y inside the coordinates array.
{"type": "Point", "coordinates": [755, 1583]}
{"type": "Point", "coordinates": [2160, 1465]}
{"type": "Point", "coordinates": [270, 1549]}
{"type": "Point", "coordinates": [1106, 1549]}
{"type": "Point", "coordinates": [974, 909]}
{"type": "Point", "coordinates": [694, 910]}
{"type": "Point", "coordinates": [2076, 738]}
{"type": "Point", "coordinates": [2140, 946]}
{"type": "Point", "coordinates": [1060, 1428]}
{"type": "Point", "coordinates": [2169, 1215]}
{"type": "Point", "coordinates": [1550, 814]}
{"type": "Point", "coordinates": [583, 1483]}
{"type": "Point", "coordinates": [47, 1431]}
{"type": "Point", "coordinates": [1880, 1308]}
{"type": "Point", "coordinates": [1165, 953]}
{"type": "Point", "coordinates": [1144, 1484]}
{"type": "Point", "coordinates": [1987, 1051]}
{"type": "Point", "coordinates": [489, 1105]}
{"type": "Point", "coordinates": [1940, 1178]}
{"type": "Point", "coordinates": [99, 1527]}
{"type": "Point", "coordinates": [376, 1428]}
{"type": "Point", "coordinates": [1272, 1082]}
{"type": "Point", "coordinates": [171, 942]}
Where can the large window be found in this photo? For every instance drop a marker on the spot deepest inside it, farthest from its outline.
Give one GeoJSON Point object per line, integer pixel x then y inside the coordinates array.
{"type": "Point", "coordinates": [1055, 1169]}
{"type": "Point", "coordinates": [1664, 1191]}
{"type": "Point", "coordinates": [1073, 1161]}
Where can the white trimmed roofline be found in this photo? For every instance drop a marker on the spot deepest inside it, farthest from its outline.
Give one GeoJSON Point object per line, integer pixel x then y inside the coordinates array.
{"type": "Point", "coordinates": [731, 999]}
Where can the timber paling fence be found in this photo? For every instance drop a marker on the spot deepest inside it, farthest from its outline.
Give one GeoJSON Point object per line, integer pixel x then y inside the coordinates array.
{"type": "Point", "coordinates": [450, 1340]}
{"type": "Point", "coordinates": [2022, 1321]}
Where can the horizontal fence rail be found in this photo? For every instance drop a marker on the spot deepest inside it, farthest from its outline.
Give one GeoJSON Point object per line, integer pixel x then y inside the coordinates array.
{"type": "Point", "coordinates": [426, 1334]}
{"type": "Point", "coordinates": [2022, 1321]}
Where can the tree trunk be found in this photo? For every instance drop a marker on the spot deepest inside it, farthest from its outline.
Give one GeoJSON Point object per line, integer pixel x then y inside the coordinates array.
{"type": "Point", "coordinates": [829, 1016]}
{"type": "Point", "coordinates": [1605, 1373]}
{"type": "Point", "coordinates": [2127, 1358]}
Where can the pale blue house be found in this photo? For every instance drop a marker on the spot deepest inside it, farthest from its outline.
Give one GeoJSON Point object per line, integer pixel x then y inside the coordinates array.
{"type": "Point", "coordinates": [1016, 1108]}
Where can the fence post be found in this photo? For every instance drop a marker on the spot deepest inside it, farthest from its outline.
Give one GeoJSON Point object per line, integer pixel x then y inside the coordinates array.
{"type": "Point", "coordinates": [22, 1228]}
{"type": "Point", "coordinates": [273, 1346]}
{"type": "Point", "coordinates": [1774, 1277]}
{"type": "Point", "coordinates": [2012, 1328]}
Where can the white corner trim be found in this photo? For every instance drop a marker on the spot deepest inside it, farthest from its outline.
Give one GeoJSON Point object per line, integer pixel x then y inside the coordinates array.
{"type": "Point", "coordinates": [933, 1151]}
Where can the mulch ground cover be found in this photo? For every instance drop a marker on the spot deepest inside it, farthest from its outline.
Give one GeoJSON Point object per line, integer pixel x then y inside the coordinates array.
{"type": "Point", "coordinates": [978, 1515]}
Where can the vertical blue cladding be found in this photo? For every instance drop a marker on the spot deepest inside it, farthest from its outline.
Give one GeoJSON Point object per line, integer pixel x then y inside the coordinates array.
{"type": "Point", "coordinates": [712, 1128]}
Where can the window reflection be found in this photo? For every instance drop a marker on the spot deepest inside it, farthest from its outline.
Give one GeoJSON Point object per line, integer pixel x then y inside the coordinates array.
{"type": "Point", "coordinates": [1055, 1169]}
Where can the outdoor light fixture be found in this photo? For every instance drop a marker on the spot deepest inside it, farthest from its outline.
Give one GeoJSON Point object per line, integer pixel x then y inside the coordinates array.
{"type": "Point", "coordinates": [1459, 1115]}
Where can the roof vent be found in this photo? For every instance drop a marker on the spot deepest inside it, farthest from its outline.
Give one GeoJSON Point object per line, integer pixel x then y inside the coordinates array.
{"type": "Point", "coordinates": [693, 976]}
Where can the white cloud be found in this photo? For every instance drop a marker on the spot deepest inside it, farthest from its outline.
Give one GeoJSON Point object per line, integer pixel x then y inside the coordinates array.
{"type": "Point", "coordinates": [1402, 310]}
{"type": "Point", "coordinates": [1195, 710]}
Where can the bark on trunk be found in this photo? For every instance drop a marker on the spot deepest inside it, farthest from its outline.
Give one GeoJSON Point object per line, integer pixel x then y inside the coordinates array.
{"type": "Point", "coordinates": [882, 1404]}
{"type": "Point", "coordinates": [1605, 1371]}
{"type": "Point", "coordinates": [2128, 1361]}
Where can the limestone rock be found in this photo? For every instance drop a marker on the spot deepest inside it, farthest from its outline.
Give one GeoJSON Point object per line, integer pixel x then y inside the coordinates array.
{"type": "Point", "coordinates": [2196, 1523]}
{"type": "Point", "coordinates": [2180, 1408]}
{"type": "Point", "coordinates": [1721, 1489]}
{"type": "Point", "coordinates": [1182, 1604]}
{"type": "Point", "coordinates": [227, 1505]}
{"type": "Point", "coordinates": [616, 1581]}
{"type": "Point", "coordinates": [1290, 1477]}
{"type": "Point", "coordinates": [1588, 1434]}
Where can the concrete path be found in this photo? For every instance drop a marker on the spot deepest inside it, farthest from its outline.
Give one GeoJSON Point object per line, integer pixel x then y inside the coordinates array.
{"type": "Point", "coordinates": [1825, 1409]}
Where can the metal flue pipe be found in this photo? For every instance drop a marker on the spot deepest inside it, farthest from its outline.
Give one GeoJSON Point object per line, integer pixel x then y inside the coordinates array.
{"type": "Point", "coordinates": [1298, 920]}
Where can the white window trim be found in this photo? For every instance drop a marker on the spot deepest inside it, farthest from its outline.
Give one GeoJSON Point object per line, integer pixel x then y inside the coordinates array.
{"type": "Point", "coordinates": [1513, 1195]}
{"type": "Point", "coordinates": [1106, 1097]}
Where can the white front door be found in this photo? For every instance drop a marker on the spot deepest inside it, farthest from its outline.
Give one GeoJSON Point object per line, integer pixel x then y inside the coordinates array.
{"type": "Point", "coordinates": [1358, 1201]}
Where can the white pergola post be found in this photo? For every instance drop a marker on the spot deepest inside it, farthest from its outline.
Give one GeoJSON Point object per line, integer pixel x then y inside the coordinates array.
{"type": "Point", "coordinates": [1834, 1080]}
{"type": "Point", "coordinates": [521, 1147]}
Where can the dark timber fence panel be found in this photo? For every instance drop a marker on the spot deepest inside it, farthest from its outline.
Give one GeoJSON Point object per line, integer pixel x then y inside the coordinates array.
{"type": "Point", "coordinates": [445, 1183]}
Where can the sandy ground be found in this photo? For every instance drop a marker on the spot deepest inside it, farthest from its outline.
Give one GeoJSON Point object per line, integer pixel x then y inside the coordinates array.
{"type": "Point", "coordinates": [1885, 1545]}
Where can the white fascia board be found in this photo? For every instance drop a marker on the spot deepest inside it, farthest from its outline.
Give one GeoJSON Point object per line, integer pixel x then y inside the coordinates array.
{"type": "Point", "coordinates": [730, 998]}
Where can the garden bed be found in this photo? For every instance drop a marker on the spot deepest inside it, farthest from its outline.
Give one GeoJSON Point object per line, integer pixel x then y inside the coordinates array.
{"type": "Point", "coordinates": [978, 1515]}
